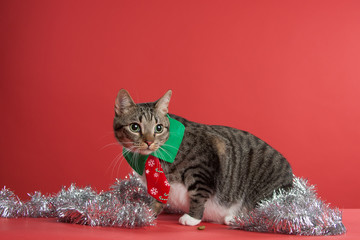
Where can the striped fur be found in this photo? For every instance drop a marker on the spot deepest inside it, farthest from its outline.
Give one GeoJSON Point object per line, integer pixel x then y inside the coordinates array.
{"type": "Point", "coordinates": [216, 164]}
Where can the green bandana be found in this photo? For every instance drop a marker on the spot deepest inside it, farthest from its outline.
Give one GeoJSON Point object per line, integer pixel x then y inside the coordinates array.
{"type": "Point", "coordinates": [167, 152]}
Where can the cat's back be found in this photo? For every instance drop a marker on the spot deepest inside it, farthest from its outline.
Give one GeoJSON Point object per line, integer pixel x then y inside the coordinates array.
{"type": "Point", "coordinates": [253, 167]}
{"type": "Point", "coordinates": [221, 133]}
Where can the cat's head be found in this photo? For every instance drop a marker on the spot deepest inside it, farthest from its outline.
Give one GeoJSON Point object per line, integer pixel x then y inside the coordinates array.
{"type": "Point", "coordinates": [141, 128]}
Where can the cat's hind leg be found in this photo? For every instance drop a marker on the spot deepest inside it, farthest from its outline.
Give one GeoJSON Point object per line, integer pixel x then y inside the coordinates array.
{"type": "Point", "coordinates": [234, 211]}
{"type": "Point", "coordinates": [228, 220]}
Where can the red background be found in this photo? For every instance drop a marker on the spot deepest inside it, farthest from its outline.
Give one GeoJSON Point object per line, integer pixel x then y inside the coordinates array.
{"type": "Point", "coordinates": [287, 71]}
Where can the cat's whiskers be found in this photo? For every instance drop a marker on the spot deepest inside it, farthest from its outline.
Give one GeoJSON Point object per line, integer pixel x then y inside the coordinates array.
{"type": "Point", "coordinates": [121, 159]}
{"type": "Point", "coordinates": [168, 145]}
{"type": "Point", "coordinates": [108, 145]}
{"type": "Point", "coordinates": [117, 162]}
{"type": "Point", "coordinates": [116, 143]}
{"type": "Point", "coordinates": [161, 155]}
{"type": "Point", "coordinates": [165, 151]}
{"type": "Point", "coordinates": [135, 157]}
{"type": "Point", "coordinates": [114, 163]}
{"type": "Point", "coordinates": [126, 150]}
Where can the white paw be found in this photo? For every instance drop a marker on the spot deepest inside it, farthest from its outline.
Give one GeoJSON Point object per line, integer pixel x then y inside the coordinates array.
{"type": "Point", "coordinates": [188, 220]}
{"type": "Point", "coordinates": [228, 220]}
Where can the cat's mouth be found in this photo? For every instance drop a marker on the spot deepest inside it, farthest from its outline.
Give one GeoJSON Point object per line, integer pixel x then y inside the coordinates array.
{"type": "Point", "coordinates": [142, 149]}
{"type": "Point", "coordinates": [146, 150]}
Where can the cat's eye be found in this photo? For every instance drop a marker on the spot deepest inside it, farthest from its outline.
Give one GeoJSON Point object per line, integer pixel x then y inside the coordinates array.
{"type": "Point", "coordinates": [159, 128]}
{"type": "Point", "coordinates": [134, 127]}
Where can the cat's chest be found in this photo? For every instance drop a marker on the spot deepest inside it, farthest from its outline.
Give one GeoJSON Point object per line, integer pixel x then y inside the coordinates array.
{"type": "Point", "coordinates": [178, 195]}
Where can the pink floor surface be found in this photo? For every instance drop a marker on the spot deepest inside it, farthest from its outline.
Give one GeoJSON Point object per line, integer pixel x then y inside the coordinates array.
{"type": "Point", "coordinates": [167, 228]}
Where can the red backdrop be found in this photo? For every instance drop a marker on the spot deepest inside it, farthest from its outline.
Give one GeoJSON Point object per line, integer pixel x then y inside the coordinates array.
{"type": "Point", "coordinates": [287, 71]}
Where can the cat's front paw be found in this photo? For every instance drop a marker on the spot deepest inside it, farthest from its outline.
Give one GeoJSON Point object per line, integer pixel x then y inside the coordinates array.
{"type": "Point", "coordinates": [187, 220]}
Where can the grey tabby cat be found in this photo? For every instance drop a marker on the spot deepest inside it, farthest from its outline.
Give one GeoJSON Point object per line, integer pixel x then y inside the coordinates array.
{"type": "Point", "coordinates": [218, 172]}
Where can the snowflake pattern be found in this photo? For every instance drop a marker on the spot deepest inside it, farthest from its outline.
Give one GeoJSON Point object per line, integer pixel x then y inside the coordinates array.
{"type": "Point", "coordinates": [151, 163]}
{"type": "Point", "coordinates": [157, 185]}
{"type": "Point", "coordinates": [154, 191]}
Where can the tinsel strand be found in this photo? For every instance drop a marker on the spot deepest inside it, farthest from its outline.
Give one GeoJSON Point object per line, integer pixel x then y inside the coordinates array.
{"type": "Point", "coordinates": [297, 211]}
{"type": "Point", "coordinates": [127, 204]}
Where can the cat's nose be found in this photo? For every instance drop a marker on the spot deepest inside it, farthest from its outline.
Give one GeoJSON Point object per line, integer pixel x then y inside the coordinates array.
{"type": "Point", "coordinates": [148, 143]}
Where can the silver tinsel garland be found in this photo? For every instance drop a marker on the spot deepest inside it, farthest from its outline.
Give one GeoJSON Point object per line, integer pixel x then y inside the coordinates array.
{"type": "Point", "coordinates": [297, 211]}
{"type": "Point", "coordinates": [127, 204]}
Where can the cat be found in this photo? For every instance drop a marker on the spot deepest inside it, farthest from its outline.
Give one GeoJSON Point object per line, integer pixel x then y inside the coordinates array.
{"type": "Point", "coordinates": [218, 171]}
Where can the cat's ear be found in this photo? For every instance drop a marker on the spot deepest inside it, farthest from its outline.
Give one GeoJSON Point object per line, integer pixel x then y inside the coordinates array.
{"type": "Point", "coordinates": [163, 103]}
{"type": "Point", "coordinates": [123, 102]}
